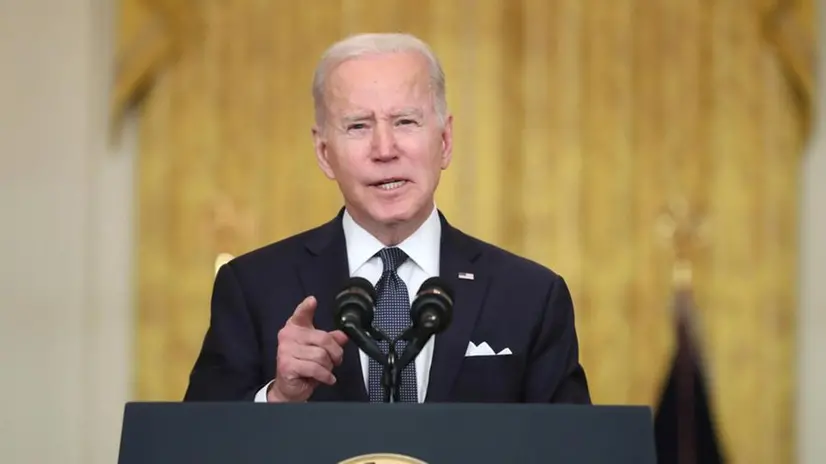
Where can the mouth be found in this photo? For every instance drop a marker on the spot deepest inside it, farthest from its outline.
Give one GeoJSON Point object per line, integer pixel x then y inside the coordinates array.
{"type": "Point", "coordinates": [390, 184]}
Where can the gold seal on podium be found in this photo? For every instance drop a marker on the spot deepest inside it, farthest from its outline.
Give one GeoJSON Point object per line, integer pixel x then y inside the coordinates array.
{"type": "Point", "coordinates": [382, 458]}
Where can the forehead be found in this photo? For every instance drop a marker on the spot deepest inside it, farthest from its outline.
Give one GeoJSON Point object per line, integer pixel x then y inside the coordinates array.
{"type": "Point", "coordinates": [379, 82]}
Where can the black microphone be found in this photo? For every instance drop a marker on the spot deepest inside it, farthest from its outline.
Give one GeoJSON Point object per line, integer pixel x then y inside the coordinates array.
{"type": "Point", "coordinates": [432, 309]}
{"type": "Point", "coordinates": [354, 315]}
{"type": "Point", "coordinates": [431, 313]}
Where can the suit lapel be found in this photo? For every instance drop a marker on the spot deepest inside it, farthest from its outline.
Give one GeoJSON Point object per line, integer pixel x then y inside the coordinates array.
{"type": "Point", "coordinates": [322, 275]}
{"type": "Point", "coordinates": [459, 254]}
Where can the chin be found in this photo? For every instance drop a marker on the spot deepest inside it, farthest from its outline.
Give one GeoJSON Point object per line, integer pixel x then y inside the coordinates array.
{"type": "Point", "coordinates": [393, 215]}
{"type": "Point", "coordinates": [396, 212]}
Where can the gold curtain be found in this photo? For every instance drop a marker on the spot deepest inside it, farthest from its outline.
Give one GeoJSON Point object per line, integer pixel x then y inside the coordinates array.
{"type": "Point", "coordinates": [578, 124]}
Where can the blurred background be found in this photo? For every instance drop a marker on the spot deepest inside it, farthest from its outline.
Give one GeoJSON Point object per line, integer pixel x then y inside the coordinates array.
{"type": "Point", "coordinates": [667, 157]}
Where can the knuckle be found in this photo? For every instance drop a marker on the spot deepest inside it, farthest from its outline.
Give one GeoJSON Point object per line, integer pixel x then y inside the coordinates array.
{"type": "Point", "coordinates": [284, 334]}
{"type": "Point", "coordinates": [283, 365]}
{"type": "Point", "coordinates": [319, 372]}
{"type": "Point", "coordinates": [318, 357]}
{"type": "Point", "coordinates": [284, 349]}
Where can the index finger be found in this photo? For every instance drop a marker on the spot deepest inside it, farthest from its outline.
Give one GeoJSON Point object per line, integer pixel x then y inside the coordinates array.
{"type": "Point", "coordinates": [303, 315]}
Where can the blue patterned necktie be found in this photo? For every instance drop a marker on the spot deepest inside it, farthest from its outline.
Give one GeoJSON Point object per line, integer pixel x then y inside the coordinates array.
{"type": "Point", "coordinates": [392, 317]}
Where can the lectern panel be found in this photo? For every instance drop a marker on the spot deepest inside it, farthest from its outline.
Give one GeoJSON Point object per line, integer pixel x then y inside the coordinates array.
{"type": "Point", "coordinates": [330, 433]}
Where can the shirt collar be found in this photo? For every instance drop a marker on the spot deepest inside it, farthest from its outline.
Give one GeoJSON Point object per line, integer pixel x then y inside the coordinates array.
{"type": "Point", "coordinates": [422, 247]}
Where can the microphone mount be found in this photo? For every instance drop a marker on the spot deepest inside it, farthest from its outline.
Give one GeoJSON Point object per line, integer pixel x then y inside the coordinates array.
{"type": "Point", "coordinates": [430, 314]}
{"type": "Point", "coordinates": [394, 362]}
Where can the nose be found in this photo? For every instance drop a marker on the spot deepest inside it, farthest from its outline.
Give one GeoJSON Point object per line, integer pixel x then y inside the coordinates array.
{"type": "Point", "coordinates": [384, 143]}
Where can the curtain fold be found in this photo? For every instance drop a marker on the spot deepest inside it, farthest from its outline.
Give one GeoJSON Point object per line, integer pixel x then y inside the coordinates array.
{"type": "Point", "coordinates": [790, 28]}
{"type": "Point", "coordinates": [150, 34]}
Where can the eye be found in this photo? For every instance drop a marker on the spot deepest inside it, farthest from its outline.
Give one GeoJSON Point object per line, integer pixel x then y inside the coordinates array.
{"type": "Point", "coordinates": [357, 126]}
{"type": "Point", "coordinates": [407, 122]}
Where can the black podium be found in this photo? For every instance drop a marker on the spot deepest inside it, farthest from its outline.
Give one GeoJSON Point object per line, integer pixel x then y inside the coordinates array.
{"type": "Point", "coordinates": [330, 433]}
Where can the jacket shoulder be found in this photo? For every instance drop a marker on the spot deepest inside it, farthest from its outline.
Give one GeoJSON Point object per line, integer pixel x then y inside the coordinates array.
{"type": "Point", "coordinates": [286, 251]}
{"type": "Point", "coordinates": [510, 263]}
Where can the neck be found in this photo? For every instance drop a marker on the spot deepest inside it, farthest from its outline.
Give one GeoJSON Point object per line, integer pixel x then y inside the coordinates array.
{"type": "Point", "coordinates": [391, 234]}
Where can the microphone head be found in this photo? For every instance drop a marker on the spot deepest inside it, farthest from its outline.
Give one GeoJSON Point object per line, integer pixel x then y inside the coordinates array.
{"type": "Point", "coordinates": [361, 285]}
{"type": "Point", "coordinates": [438, 284]}
{"type": "Point", "coordinates": [432, 309]}
{"type": "Point", "coordinates": [354, 303]}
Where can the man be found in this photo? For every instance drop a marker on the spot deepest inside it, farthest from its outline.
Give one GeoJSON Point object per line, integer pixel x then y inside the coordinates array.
{"type": "Point", "coordinates": [384, 135]}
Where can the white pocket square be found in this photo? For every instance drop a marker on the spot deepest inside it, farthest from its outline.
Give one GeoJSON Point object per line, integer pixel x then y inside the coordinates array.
{"type": "Point", "coordinates": [483, 349]}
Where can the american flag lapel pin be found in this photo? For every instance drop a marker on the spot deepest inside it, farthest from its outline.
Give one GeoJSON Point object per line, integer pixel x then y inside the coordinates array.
{"type": "Point", "coordinates": [466, 275]}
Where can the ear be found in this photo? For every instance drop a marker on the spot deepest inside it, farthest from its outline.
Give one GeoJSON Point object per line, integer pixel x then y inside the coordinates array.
{"type": "Point", "coordinates": [447, 142]}
{"type": "Point", "coordinates": [322, 153]}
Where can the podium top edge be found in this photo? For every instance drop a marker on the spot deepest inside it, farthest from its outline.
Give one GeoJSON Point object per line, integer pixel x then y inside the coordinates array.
{"type": "Point", "coordinates": [447, 405]}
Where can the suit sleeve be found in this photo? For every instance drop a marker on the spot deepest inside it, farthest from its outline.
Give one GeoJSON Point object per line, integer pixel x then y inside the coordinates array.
{"type": "Point", "coordinates": [228, 367]}
{"type": "Point", "coordinates": [555, 374]}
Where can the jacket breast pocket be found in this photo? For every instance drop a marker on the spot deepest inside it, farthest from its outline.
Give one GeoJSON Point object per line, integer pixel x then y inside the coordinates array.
{"type": "Point", "coordinates": [491, 379]}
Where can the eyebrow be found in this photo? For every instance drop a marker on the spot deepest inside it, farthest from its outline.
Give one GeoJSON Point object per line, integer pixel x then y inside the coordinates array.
{"type": "Point", "coordinates": [408, 112]}
{"type": "Point", "coordinates": [349, 119]}
{"type": "Point", "coordinates": [359, 117]}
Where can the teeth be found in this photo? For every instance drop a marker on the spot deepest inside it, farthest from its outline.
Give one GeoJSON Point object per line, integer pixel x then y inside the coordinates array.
{"type": "Point", "coordinates": [392, 185]}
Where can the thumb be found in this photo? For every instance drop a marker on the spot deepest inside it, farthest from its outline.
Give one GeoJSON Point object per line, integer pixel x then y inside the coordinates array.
{"type": "Point", "coordinates": [303, 315]}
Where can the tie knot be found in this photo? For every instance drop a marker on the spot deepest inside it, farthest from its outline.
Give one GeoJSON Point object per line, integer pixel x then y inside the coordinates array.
{"type": "Point", "coordinates": [392, 258]}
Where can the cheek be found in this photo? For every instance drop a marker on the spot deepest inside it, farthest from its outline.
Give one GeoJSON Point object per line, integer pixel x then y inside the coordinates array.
{"type": "Point", "coordinates": [353, 162]}
{"type": "Point", "coordinates": [422, 153]}
{"type": "Point", "coordinates": [432, 161]}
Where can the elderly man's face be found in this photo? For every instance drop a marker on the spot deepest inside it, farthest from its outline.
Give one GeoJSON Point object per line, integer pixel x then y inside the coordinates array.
{"type": "Point", "coordinates": [382, 140]}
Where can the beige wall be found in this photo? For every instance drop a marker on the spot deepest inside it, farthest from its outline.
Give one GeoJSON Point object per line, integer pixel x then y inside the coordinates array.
{"type": "Point", "coordinates": [65, 239]}
{"type": "Point", "coordinates": [812, 323]}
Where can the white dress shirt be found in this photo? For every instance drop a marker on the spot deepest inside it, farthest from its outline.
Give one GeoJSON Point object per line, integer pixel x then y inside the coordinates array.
{"type": "Point", "coordinates": [423, 251]}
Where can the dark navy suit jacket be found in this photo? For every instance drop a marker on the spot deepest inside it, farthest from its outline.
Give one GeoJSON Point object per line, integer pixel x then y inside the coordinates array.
{"type": "Point", "coordinates": [510, 303]}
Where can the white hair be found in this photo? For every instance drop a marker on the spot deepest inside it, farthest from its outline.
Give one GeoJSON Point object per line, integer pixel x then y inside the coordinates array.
{"type": "Point", "coordinates": [378, 43]}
